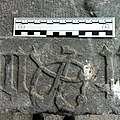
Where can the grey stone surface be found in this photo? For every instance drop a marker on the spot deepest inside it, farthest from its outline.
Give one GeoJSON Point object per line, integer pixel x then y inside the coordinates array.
{"type": "Point", "coordinates": [53, 117]}
{"type": "Point", "coordinates": [4, 116]}
{"type": "Point", "coordinates": [65, 76]}
{"type": "Point", "coordinates": [15, 116]}
{"type": "Point", "coordinates": [53, 8]}
{"type": "Point", "coordinates": [57, 75]}
{"type": "Point", "coordinates": [36, 8]}
{"type": "Point", "coordinates": [20, 116]}
{"type": "Point", "coordinates": [98, 117]}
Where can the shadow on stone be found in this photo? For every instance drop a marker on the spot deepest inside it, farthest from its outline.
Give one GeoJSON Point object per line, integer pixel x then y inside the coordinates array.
{"type": "Point", "coordinates": [38, 116]}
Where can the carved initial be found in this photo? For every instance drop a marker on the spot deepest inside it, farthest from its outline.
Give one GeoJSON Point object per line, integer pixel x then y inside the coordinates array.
{"type": "Point", "coordinates": [10, 78]}
{"type": "Point", "coordinates": [109, 66]}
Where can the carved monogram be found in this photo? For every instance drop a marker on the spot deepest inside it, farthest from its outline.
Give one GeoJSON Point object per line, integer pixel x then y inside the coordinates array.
{"type": "Point", "coordinates": [14, 70]}
{"type": "Point", "coordinates": [68, 56]}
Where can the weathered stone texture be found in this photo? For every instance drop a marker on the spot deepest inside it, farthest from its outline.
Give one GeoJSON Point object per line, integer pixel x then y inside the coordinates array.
{"type": "Point", "coordinates": [65, 76]}
{"type": "Point", "coordinates": [53, 117]}
{"type": "Point", "coordinates": [20, 116]}
{"type": "Point", "coordinates": [46, 83]}
{"type": "Point", "coordinates": [15, 116]}
{"type": "Point", "coordinates": [54, 8]}
{"type": "Point", "coordinates": [4, 116]}
{"type": "Point", "coordinates": [56, 75]}
{"type": "Point", "coordinates": [97, 117]}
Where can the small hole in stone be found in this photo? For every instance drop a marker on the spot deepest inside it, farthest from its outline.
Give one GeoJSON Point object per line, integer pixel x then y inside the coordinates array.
{"type": "Point", "coordinates": [95, 76]}
{"type": "Point", "coordinates": [38, 116]}
{"type": "Point", "coordinates": [90, 71]}
{"type": "Point", "coordinates": [69, 118]}
{"type": "Point", "coordinates": [87, 67]}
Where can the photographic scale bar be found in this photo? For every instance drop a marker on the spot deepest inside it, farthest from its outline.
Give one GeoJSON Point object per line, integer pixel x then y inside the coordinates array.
{"type": "Point", "coordinates": [64, 27]}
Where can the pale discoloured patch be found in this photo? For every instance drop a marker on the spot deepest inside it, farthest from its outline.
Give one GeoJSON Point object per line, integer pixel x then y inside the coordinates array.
{"type": "Point", "coordinates": [116, 88]}
{"type": "Point", "coordinates": [89, 72]}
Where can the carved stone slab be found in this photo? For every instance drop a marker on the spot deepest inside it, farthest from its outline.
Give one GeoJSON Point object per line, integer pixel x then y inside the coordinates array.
{"type": "Point", "coordinates": [61, 76]}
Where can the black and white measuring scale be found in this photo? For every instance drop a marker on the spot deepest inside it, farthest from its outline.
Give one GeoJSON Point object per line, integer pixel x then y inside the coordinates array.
{"type": "Point", "coordinates": [65, 27]}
